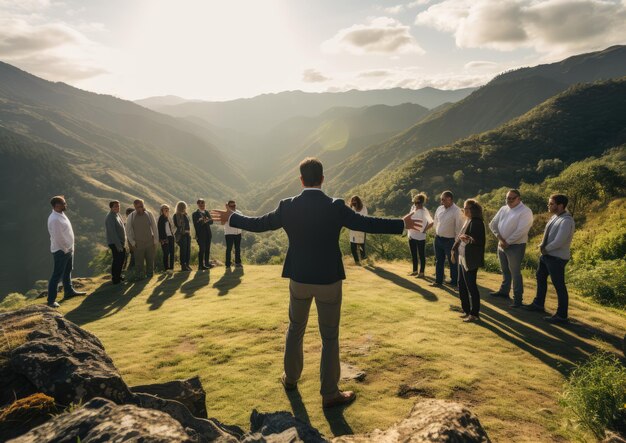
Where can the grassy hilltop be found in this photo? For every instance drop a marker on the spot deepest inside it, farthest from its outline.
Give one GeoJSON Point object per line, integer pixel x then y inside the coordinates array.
{"type": "Point", "coordinates": [229, 329]}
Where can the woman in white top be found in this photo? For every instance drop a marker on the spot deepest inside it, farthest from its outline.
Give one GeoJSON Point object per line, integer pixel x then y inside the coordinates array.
{"type": "Point", "coordinates": [357, 238]}
{"type": "Point", "coordinates": [417, 239]}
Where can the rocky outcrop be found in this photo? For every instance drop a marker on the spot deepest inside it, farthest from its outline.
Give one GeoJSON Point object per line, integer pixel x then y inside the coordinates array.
{"type": "Point", "coordinates": [102, 420]}
{"type": "Point", "coordinates": [60, 359]}
{"type": "Point", "coordinates": [429, 421]}
{"type": "Point", "coordinates": [188, 392]}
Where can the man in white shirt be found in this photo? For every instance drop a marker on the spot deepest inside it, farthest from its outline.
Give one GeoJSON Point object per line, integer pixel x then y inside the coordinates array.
{"type": "Point", "coordinates": [62, 248]}
{"type": "Point", "coordinates": [511, 225]}
{"type": "Point", "coordinates": [448, 222]}
{"type": "Point", "coordinates": [233, 237]}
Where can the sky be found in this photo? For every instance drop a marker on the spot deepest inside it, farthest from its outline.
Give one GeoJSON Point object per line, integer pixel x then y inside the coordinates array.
{"type": "Point", "coordinates": [223, 50]}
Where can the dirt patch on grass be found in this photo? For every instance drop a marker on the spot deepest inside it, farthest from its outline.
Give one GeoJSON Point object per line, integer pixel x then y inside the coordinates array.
{"type": "Point", "coordinates": [406, 391]}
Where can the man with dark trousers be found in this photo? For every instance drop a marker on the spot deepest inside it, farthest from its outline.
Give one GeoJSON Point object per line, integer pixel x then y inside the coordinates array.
{"type": "Point", "coordinates": [116, 239]}
{"type": "Point", "coordinates": [314, 267]}
{"type": "Point", "coordinates": [62, 248]}
{"type": "Point", "coordinates": [202, 223]}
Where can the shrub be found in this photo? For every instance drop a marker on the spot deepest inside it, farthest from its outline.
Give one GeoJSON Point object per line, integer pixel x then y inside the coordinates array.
{"type": "Point", "coordinates": [13, 301]}
{"type": "Point", "coordinates": [595, 394]}
{"type": "Point", "coordinates": [492, 264]}
{"type": "Point", "coordinates": [602, 280]}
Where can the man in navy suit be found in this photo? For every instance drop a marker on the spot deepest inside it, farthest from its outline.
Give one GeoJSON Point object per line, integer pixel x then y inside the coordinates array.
{"type": "Point", "coordinates": [314, 265]}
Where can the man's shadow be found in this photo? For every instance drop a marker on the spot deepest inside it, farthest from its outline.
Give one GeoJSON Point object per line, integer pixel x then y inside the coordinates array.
{"type": "Point", "coordinates": [334, 416]}
{"type": "Point", "coordinates": [402, 282]}
{"type": "Point", "coordinates": [200, 280]}
{"type": "Point", "coordinates": [165, 289]}
{"type": "Point", "coordinates": [228, 281]}
{"type": "Point", "coordinates": [106, 300]}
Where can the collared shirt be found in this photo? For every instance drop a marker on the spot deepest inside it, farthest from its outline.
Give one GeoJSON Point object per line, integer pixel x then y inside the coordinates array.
{"type": "Point", "coordinates": [61, 232]}
{"type": "Point", "coordinates": [512, 224]}
{"type": "Point", "coordinates": [448, 221]}
{"type": "Point", "coordinates": [229, 230]}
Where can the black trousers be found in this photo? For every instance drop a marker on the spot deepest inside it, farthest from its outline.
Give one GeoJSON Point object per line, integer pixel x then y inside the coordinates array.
{"type": "Point", "coordinates": [119, 257]}
{"type": "Point", "coordinates": [555, 268]}
{"type": "Point", "coordinates": [468, 288]}
{"type": "Point", "coordinates": [355, 247]}
{"type": "Point", "coordinates": [168, 253]}
{"type": "Point", "coordinates": [204, 250]}
{"type": "Point", "coordinates": [418, 246]}
{"type": "Point", "coordinates": [233, 239]}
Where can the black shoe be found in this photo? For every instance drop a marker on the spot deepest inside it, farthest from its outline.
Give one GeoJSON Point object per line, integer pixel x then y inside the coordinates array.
{"type": "Point", "coordinates": [515, 305]}
{"type": "Point", "coordinates": [288, 386]}
{"type": "Point", "coordinates": [436, 284]}
{"type": "Point", "coordinates": [556, 319]}
{"type": "Point", "coordinates": [499, 294]}
{"type": "Point", "coordinates": [533, 307]}
{"type": "Point", "coordinates": [74, 294]}
{"type": "Point", "coordinates": [203, 268]}
{"type": "Point", "coordinates": [451, 283]}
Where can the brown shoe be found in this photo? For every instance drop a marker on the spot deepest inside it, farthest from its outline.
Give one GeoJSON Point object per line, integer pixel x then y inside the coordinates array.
{"type": "Point", "coordinates": [342, 398]}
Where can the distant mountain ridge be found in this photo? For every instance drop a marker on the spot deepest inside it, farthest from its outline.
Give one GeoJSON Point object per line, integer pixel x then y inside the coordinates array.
{"type": "Point", "coordinates": [258, 114]}
{"type": "Point", "coordinates": [506, 97]}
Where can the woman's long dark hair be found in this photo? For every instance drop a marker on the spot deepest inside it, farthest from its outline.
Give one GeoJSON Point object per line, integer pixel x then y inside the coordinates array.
{"type": "Point", "coordinates": [476, 210]}
{"type": "Point", "coordinates": [356, 203]}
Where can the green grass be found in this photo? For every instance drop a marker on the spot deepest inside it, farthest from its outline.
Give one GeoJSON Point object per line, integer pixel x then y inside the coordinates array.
{"type": "Point", "coordinates": [229, 329]}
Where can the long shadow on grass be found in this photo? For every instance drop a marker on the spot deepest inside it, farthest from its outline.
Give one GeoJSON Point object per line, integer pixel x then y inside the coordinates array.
{"type": "Point", "coordinates": [199, 281]}
{"type": "Point", "coordinates": [297, 406]}
{"type": "Point", "coordinates": [336, 420]}
{"type": "Point", "coordinates": [554, 345]}
{"type": "Point", "coordinates": [165, 289]}
{"type": "Point", "coordinates": [228, 281]}
{"type": "Point", "coordinates": [105, 301]}
{"type": "Point", "coordinates": [402, 282]}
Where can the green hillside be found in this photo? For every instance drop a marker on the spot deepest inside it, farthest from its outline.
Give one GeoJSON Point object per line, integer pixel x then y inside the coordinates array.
{"type": "Point", "coordinates": [229, 329]}
{"type": "Point", "coordinates": [504, 98]}
{"type": "Point", "coordinates": [581, 122]}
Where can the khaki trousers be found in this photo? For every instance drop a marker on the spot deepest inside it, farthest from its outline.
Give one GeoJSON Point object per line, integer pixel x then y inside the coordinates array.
{"type": "Point", "coordinates": [328, 303]}
{"type": "Point", "coordinates": [145, 253]}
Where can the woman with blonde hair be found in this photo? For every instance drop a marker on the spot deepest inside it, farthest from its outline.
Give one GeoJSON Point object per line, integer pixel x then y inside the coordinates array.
{"type": "Point", "coordinates": [166, 238]}
{"type": "Point", "coordinates": [183, 234]}
{"type": "Point", "coordinates": [417, 238]}
{"type": "Point", "coordinates": [357, 238]}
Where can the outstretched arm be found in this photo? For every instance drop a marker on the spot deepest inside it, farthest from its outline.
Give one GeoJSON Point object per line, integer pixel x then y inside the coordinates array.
{"type": "Point", "coordinates": [268, 222]}
{"type": "Point", "coordinates": [376, 225]}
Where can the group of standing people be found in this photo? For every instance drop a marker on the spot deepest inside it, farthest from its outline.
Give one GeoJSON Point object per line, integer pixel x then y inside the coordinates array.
{"type": "Point", "coordinates": [460, 239]}
{"type": "Point", "coordinates": [143, 234]}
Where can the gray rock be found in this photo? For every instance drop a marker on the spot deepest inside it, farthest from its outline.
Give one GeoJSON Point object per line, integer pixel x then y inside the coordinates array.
{"type": "Point", "coordinates": [429, 421]}
{"type": "Point", "coordinates": [188, 392]}
{"type": "Point", "coordinates": [102, 420]}
{"type": "Point", "coordinates": [350, 372]}
{"type": "Point", "coordinates": [280, 427]}
{"type": "Point", "coordinates": [61, 360]}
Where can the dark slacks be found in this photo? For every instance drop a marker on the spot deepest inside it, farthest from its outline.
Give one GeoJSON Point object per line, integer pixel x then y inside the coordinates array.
{"type": "Point", "coordinates": [185, 250]}
{"type": "Point", "coordinates": [117, 263]}
{"type": "Point", "coordinates": [555, 268]}
{"type": "Point", "coordinates": [204, 250]}
{"type": "Point", "coordinates": [418, 247]}
{"type": "Point", "coordinates": [233, 240]}
{"type": "Point", "coordinates": [63, 263]}
{"type": "Point", "coordinates": [468, 288]}
{"type": "Point", "coordinates": [443, 249]}
{"type": "Point", "coordinates": [357, 248]}
{"type": "Point", "coordinates": [168, 253]}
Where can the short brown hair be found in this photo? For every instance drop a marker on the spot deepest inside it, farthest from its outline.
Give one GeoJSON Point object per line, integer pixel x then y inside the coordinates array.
{"type": "Point", "coordinates": [200, 200]}
{"type": "Point", "coordinates": [229, 202]}
{"type": "Point", "coordinates": [113, 203]}
{"type": "Point", "coordinates": [57, 200]}
{"type": "Point", "coordinates": [448, 194]}
{"type": "Point", "coordinates": [560, 199]}
{"type": "Point", "coordinates": [356, 202]}
{"type": "Point", "coordinates": [138, 201]}
{"type": "Point", "coordinates": [129, 210]}
{"type": "Point", "coordinates": [515, 191]}
{"type": "Point", "coordinates": [476, 210]}
{"type": "Point", "coordinates": [311, 171]}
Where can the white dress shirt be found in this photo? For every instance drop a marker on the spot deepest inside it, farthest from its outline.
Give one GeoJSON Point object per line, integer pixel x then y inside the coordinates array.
{"type": "Point", "coordinates": [419, 214]}
{"type": "Point", "coordinates": [358, 236]}
{"type": "Point", "coordinates": [512, 224]}
{"type": "Point", "coordinates": [448, 221]}
{"type": "Point", "coordinates": [228, 230]}
{"type": "Point", "coordinates": [61, 232]}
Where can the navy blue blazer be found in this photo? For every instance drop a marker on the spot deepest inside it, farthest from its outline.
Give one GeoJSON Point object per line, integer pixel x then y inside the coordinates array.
{"type": "Point", "coordinates": [313, 222]}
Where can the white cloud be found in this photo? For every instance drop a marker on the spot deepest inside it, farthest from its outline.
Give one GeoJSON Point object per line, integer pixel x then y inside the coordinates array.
{"type": "Point", "coordinates": [313, 76]}
{"type": "Point", "coordinates": [54, 51]}
{"type": "Point", "coordinates": [381, 35]}
{"type": "Point", "coordinates": [393, 10]}
{"type": "Point", "coordinates": [480, 65]}
{"type": "Point", "coordinates": [557, 27]}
